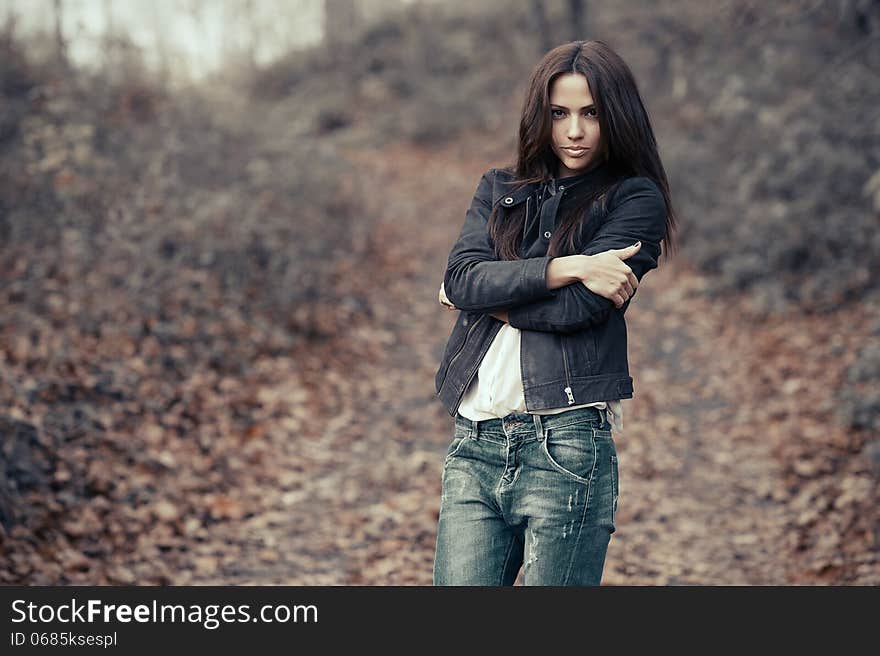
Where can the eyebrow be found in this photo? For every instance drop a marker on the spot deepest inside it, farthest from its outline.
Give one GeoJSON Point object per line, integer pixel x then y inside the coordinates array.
{"type": "Point", "coordinates": [555, 106]}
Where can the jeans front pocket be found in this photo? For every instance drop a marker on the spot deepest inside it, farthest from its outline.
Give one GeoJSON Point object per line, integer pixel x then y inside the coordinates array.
{"type": "Point", "coordinates": [460, 436]}
{"type": "Point", "coordinates": [571, 450]}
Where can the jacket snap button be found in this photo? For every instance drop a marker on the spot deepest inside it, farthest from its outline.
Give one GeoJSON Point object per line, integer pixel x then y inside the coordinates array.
{"type": "Point", "coordinates": [547, 235]}
{"type": "Point", "coordinates": [508, 200]}
{"type": "Point", "coordinates": [561, 187]}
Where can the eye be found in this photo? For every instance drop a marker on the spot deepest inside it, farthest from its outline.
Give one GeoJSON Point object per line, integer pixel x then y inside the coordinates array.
{"type": "Point", "coordinates": [557, 113]}
{"type": "Point", "coordinates": [592, 112]}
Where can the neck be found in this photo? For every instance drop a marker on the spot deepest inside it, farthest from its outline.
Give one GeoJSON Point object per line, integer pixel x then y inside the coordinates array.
{"type": "Point", "coordinates": [595, 173]}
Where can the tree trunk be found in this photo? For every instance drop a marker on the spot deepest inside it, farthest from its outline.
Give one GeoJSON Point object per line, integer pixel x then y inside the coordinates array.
{"type": "Point", "coordinates": [539, 16]}
{"type": "Point", "coordinates": [578, 12]}
{"type": "Point", "coordinates": [60, 44]}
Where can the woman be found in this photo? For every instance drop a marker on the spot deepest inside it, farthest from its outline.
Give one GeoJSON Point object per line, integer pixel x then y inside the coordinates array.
{"type": "Point", "coordinates": [551, 252]}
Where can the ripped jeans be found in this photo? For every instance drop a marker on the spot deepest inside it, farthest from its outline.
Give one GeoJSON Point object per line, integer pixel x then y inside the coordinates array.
{"type": "Point", "coordinates": [539, 490]}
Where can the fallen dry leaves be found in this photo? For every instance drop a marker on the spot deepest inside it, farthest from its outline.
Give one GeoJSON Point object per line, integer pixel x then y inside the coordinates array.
{"type": "Point", "coordinates": [321, 465]}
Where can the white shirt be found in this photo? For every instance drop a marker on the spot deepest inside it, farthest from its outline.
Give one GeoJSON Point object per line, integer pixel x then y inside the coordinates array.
{"type": "Point", "coordinates": [497, 389]}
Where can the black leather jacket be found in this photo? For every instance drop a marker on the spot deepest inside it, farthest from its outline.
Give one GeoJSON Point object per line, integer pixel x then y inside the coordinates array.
{"type": "Point", "coordinates": [573, 347]}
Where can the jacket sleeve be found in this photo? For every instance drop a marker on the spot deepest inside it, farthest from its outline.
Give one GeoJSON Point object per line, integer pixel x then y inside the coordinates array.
{"type": "Point", "coordinates": [638, 214]}
{"type": "Point", "coordinates": [475, 280]}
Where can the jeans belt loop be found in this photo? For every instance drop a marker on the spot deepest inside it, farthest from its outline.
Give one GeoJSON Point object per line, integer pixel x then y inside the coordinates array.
{"type": "Point", "coordinates": [539, 426]}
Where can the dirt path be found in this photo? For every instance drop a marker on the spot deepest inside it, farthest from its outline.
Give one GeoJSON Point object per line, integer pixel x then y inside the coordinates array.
{"type": "Point", "coordinates": [696, 501]}
{"type": "Point", "coordinates": [704, 499]}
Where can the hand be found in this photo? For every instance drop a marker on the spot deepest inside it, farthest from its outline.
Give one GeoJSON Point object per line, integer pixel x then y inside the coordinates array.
{"type": "Point", "coordinates": [445, 301]}
{"type": "Point", "coordinates": [608, 276]}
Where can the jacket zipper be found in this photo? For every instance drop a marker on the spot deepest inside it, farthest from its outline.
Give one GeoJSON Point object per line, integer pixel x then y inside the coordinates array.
{"type": "Point", "coordinates": [567, 389]}
{"type": "Point", "coordinates": [460, 349]}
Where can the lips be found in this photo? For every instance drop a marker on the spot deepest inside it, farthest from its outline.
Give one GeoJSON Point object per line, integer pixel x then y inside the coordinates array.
{"type": "Point", "coordinates": [575, 151]}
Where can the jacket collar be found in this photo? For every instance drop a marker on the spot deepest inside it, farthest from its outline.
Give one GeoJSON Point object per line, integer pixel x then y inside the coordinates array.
{"type": "Point", "coordinates": [505, 192]}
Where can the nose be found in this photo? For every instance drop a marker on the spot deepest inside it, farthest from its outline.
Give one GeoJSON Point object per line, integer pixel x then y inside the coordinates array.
{"type": "Point", "coordinates": [575, 129]}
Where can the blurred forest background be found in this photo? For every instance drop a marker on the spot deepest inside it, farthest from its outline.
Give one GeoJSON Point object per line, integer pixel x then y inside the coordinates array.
{"type": "Point", "coordinates": [223, 227]}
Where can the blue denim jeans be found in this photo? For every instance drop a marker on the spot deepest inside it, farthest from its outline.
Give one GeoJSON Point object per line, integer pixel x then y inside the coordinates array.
{"type": "Point", "coordinates": [534, 489]}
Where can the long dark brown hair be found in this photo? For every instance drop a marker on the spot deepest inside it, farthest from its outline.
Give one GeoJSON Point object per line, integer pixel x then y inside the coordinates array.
{"type": "Point", "coordinates": [626, 143]}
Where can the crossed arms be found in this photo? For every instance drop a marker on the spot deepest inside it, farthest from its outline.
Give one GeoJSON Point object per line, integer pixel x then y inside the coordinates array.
{"type": "Point", "coordinates": [533, 295]}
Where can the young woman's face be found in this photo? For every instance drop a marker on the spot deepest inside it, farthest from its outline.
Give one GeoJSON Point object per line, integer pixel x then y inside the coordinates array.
{"type": "Point", "coordinates": [575, 124]}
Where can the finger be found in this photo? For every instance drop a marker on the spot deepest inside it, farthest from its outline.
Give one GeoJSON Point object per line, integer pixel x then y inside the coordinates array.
{"type": "Point", "coordinates": [629, 251]}
{"type": "Point", "coordinates": [632, 279]}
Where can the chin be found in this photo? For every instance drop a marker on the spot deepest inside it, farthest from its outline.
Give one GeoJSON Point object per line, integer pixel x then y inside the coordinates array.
{"type": "Point", "coordinates": [577, 164]}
